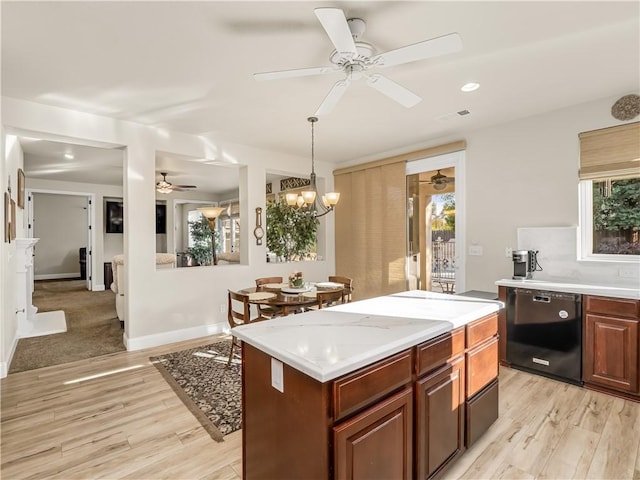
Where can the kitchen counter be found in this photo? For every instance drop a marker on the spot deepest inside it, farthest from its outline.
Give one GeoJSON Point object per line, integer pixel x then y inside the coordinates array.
{"type": "Point", "coordinates": [570, 287]}
{"type": "Point", "coordinates": [329, 343]}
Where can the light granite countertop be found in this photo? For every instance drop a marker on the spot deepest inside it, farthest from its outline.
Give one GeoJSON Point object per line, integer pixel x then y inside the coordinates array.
{"type": "Point", "coordinates": [572, 287]}
{"type": "Point", "coordinates": [329, 343]}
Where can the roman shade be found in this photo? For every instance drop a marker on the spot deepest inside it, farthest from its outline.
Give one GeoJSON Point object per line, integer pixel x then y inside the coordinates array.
{"type": "Point", "coordinates": [610, 152]}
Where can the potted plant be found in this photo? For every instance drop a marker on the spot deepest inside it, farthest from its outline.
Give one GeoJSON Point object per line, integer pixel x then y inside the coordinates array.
{"type": "Point", "coordinates": [200, 251]}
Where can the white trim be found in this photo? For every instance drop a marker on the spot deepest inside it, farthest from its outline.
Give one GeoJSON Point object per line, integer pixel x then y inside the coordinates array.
{"type": "Point", "coordinates": [98, 288]}
{"type": "Point", "coordinates": [55, 276]}
{"type": "Point", "coordinates": [456, 160]}
{"type": "Point", "coordinates": [4, 366]}
{"type": "Point", "coordinates": [585, 229]}
{"type": "Point", "coordinates": [165, 338]}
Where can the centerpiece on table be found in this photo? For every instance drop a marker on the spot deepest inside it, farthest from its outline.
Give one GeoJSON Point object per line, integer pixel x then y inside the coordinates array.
{"type": "Point", "coordinates": [296, 280]}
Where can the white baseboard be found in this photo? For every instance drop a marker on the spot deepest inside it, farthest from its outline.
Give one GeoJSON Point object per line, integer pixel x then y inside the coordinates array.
{"type": "Point", "coordinates": [173, 336]}
{"type": "Point", "coordinates": [57, 276]}
{"type": "Point", "coordinates": [98, 288]}
{"type": "Point", "coordinates": [4, 366]}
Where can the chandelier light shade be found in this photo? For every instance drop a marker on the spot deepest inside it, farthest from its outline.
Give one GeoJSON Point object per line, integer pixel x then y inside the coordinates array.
{"type": "Point", "coordinates": [319, 205]}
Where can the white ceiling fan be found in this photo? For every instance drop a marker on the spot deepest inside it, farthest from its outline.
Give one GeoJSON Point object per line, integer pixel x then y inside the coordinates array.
{"type": "Point", "coordinates": [356, 58]}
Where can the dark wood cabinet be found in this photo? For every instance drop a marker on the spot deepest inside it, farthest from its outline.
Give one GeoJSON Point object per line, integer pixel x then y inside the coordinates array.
{"type": "Point", "coordinates": [440, 418]}
{"type": "Point", "coordinates": [611, 357]}
{"type": "Point", "coordinates": [403, 417]}
{"type": "Point", "coordinates": [377, 443]}
{"type": "Point", "coordinates": [482, 353]}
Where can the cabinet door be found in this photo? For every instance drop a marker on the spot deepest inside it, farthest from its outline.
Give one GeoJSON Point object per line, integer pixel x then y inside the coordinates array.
{"type": "Point", "coordinates": [611, 352]}
{"type": "Point", "coordinates": [376, 443]}
{"type": "Point", "coordinates": [439, 418]}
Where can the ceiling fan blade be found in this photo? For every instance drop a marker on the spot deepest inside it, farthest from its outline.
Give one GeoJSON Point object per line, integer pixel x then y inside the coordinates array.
{"type": "Point", "coordinates": [333, 96]}
{"type": "Point", "coordinates": [335, 24]}
{"type": "Point", "coordinates": [185, 186]}
{"type": "Point", "coordinates": [393, 90]}
{"type": "Point", "coordinates": [419, 51]}
{"type": "Point", "coordinates": [298, 72]}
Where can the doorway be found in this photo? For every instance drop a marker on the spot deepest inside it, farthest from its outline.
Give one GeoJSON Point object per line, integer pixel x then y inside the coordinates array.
{"type": "Point", "coordinates": [435, 224]}
{"type": "Point", "coordinates": [63, 223]}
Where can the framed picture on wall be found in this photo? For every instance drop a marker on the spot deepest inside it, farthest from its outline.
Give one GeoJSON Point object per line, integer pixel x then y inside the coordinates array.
{"type": "Point", "coordinates": [13, 219]}
{"type": "Point", "coordinates": [20, 188]}
{"type": "Point", "coordinates": [7, 217]}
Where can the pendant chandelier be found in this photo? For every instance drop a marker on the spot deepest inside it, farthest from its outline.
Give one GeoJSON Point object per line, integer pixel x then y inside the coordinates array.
{"type": "Point", "coordinates": [309, 199]}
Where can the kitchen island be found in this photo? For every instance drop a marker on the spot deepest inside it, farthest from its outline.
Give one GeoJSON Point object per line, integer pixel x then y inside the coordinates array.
{"type": "Point", "coordinates": [390, 387]}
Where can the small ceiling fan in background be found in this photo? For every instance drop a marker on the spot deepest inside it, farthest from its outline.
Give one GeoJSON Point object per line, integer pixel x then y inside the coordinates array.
{"type": "Point", "coordinates": [356, 58]}
{"type": "Point", "coordinates": [167, 187]}
{"type": "Point", "coordinates": [440, 181]}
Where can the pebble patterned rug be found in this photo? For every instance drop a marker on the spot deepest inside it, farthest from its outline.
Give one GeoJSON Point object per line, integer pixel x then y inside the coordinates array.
{"type": "Point", "coordinates": [210, 389]}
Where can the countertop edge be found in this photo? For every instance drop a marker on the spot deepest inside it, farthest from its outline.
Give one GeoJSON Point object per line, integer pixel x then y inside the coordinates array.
{"type": "Point", "coordinates": [374, 354]}
{"type": "Point", "coordinates": [581, 288]}
{"type": "Point", "coordinates": [357, 363]}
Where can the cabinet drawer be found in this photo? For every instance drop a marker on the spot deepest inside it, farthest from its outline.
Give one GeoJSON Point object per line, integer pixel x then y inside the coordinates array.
{"type": "Point", "coordinates": [436, 352]}
{"type": "Point", "coordinates": [482, 366]}
{"type": "Point", "coordinates": [482, 411]}
{"type": "Point", "coordinates": [482, 329]}
{"type": "Point", "coordinates": [360, 389]}
{"type": "Point", "coordinates": [619, 307]}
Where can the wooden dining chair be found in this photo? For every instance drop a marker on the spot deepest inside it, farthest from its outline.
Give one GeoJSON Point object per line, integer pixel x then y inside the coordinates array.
{"type": "Point", "coordinates": [328, 298]}
{"type": "Point", "coordinates": [240, 316]}
{"type": "Point", "coordinates": [348, 286]}
{"type": "Point", "coordinates": [266, 310]}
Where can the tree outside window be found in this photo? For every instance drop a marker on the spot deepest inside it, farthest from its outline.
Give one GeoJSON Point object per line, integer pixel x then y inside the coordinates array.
{"type": "Point", "coordinates": [616, 216]}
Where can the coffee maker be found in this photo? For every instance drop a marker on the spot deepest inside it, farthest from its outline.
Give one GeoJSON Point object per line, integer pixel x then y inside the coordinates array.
{"type": "Point", "coordinates": [524, 264]}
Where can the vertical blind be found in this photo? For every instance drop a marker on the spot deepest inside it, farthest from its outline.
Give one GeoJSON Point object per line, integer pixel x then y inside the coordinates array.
{"type": "Point", "coordinates": [371, 229]}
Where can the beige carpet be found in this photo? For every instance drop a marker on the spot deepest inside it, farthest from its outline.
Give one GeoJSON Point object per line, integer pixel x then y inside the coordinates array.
{"type": "Point", "coordinates": [93, 328]}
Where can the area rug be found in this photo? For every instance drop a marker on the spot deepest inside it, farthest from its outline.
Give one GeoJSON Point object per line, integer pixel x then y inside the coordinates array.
{"type": "Point", "coordinates": [210, 389]}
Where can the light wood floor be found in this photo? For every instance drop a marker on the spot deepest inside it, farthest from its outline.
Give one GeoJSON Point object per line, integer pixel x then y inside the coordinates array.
{"type": "Point", "coordinates": [126, 422]}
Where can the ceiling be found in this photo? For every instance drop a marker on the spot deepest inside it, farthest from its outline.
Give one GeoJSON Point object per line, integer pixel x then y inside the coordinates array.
{"type": "Point", "coordinates": [187, 66]}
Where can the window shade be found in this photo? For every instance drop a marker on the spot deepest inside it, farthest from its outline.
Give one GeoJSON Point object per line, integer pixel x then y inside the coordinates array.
{"type": "Point", "coordinates": [610, 152]}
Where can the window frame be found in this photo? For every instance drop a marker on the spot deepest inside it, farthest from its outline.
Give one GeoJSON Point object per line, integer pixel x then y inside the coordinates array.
{"type": "Point", "coordinates": [585, 229]}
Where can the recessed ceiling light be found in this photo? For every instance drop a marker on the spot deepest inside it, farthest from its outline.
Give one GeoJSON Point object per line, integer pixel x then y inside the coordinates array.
{"type": "Point", "coordinates": [470, 87]}
{"type": "Point", "coordinates": [68, 156]}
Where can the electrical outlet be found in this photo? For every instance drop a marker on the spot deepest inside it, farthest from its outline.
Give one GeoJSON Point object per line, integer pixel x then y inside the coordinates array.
{"type": "Point", "coordinates": [475, 250]}
{"type": "Point", "coordinates": [508, 252]}
{"type": "Point", "coordinates": [223, 308]}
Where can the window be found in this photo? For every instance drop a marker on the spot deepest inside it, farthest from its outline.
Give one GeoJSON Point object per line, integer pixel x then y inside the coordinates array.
{"type": "Point", "coordinates": [193, 216]}
{"type": "Point", "coordinates": [610, 194]}
{"type": "Point", "coordinates": [610, 218]}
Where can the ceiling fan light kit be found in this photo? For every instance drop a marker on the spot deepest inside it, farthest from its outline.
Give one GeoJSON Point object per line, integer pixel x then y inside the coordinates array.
{"type": "Point", "coordinates": [355, 58]}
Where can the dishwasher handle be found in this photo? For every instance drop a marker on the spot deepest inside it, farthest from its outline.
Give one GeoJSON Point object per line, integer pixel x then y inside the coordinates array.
{"type": "Point", "coordinates": [542, 299]}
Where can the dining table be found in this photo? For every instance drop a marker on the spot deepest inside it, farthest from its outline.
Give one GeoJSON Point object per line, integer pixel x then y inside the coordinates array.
{"type": "Point", "coordinates": [286, 299]}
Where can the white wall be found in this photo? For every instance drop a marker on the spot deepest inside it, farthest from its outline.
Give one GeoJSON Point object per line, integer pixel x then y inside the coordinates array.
{"type": "Point", "coordinates": [169, 305]}
{"type": "Point", "coordinates": [524, 174]}
{"type": "Point", "coordinates": [12, 159]}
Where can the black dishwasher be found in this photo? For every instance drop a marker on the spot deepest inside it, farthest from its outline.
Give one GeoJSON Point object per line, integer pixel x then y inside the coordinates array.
{"type": "Point", "coordinates": [544, 333]}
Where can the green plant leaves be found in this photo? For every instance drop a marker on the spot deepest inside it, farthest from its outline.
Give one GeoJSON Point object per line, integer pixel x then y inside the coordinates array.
{"type": "Point", "coordinates": [291, 231]}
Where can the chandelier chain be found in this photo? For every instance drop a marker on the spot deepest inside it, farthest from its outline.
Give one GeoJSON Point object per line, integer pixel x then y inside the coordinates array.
{"type": "Point", "coordinates": [313, 120]}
